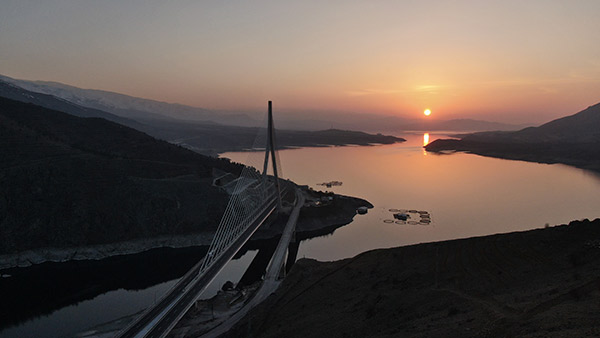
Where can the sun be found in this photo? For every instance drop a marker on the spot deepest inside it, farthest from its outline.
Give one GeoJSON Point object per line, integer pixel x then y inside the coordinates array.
{"type": "Point", "coordinates": [427, 112]}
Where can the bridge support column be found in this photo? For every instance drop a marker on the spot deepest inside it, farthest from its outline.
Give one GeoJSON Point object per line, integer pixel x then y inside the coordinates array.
{"type": "Point", "coordinates": [270, 149]}
{"type": "Point", "coordinates": [292, 254]}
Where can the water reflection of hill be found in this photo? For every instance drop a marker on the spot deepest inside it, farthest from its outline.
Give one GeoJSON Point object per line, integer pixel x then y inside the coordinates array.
{"type": "Point", "coordinates": [44, 288]}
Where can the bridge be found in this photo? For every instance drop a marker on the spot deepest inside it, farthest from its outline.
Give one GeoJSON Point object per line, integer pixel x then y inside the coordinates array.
{"type": "Point", "coordinates": [254, 198]}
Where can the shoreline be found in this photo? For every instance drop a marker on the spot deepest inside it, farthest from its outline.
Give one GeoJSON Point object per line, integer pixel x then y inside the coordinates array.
{"type": "Point", "coordinates": [218, 152]}
{"type": "Point", "coordinates": [527, 152]}
{"type": "Point", "coordinates": [310, 227]}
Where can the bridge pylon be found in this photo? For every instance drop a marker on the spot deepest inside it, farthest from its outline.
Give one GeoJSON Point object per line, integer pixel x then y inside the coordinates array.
{"type": "Point", "coordinates": [270, 149]}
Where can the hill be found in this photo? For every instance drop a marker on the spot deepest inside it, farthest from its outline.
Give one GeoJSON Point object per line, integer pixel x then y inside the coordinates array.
{"type": "Point", "coordinates": [538, 283]}
{"type": "Point", "coordinates": [71, 181]}
{"type": "Point", "coordinates": [572, 140]}
{"type": "Point", "coordinates": [582, 127]}
{"type": "Point", "coordinates": [215, 138]}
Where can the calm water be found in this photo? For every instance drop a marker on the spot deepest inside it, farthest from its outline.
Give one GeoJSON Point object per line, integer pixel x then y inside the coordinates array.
{"type": "Point", "coordinates": [466, 195]}
{"type": "Point", "coordinates": [140, 283]}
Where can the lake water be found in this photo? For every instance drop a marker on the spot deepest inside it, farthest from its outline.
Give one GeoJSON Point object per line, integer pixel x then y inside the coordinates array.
{"type": "Point", "coordinates": [466, 195]}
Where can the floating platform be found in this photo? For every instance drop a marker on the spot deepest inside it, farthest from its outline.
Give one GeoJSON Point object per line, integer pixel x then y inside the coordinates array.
{"type": "Point", "coordinates": [409, 216]}
{"type": "Point", "coordinates": [331, 184]}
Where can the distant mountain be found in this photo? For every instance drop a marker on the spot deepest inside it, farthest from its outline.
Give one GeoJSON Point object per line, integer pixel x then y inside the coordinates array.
{"type": "Point", "coordinates": [581, 127]}
{"type": "Point", "coordinates": [71, 181]}
{"type": "Point", "coordinates": [298, 138]}
{"type": "Point", "coordinates": [458, 125]}
{"type": "Point", "coordinates": [382, 123]}
{"type": "Point", "coordinates": [573, 140]}
{"type": "Point", "coordinates": [321, 120]}
{"type": "Point", "coordinates": [129, 106]}
{"type": "Point", "coordinates": [212, 139]}
{"type": "Point", "coordinates": [10, 91]}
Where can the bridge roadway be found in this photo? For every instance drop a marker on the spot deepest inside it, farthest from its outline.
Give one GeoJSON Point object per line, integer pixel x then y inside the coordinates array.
{"type": "Point", "coordinates": [159, 320]}
{"type": "Point", "coordinates": [271, 281]}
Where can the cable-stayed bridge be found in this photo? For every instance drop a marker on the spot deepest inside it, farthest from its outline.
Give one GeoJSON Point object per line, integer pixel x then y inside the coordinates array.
{"type": "Point", "coordinates": [255, 196]}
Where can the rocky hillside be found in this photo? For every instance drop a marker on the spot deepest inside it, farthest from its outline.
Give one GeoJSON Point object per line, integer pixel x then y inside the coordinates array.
{"type": "Point", "coordinates": [71, 181]}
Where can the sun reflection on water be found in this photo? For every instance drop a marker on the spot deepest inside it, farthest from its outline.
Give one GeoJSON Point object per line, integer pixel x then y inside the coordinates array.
{"type": "Point", "coordinates": [425, 139]}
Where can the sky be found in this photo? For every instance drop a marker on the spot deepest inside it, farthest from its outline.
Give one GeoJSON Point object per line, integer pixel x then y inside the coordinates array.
{"type": "Point", "coordinates": [507, 61]}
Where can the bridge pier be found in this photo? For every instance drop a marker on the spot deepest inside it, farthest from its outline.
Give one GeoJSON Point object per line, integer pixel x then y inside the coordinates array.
{"type": "Point", "coordinates": [292, 254]}
{"type": "Point", "coordinates": [270, 149]}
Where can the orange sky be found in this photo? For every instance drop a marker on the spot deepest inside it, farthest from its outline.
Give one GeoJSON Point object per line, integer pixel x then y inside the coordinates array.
{"type": "Point", "coordinates": [510, 61]}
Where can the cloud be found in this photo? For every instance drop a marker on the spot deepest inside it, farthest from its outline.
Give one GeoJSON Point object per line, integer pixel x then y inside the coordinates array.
{"type": "Point", "coordinates": [383, 91]}
{"type": "Point", "coordinates": [364, 92]}
{"type": "Point", "coordinates": [427, 88]}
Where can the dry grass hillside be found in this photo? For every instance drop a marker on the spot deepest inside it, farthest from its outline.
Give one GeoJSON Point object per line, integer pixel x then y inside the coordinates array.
{"type": "Point", "coordinates": [539, 283]}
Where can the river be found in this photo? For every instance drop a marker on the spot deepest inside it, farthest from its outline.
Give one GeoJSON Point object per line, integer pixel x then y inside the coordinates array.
{"type": "Point", "coordinates": [466, 195]}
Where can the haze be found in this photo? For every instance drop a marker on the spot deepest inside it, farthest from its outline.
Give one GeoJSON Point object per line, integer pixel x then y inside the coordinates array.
{"type": "Point", "coordinates": [509, 61]}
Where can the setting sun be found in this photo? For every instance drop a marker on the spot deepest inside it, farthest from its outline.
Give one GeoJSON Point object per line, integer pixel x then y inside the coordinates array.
{"type": "Point", "coordinates": [427, 112]}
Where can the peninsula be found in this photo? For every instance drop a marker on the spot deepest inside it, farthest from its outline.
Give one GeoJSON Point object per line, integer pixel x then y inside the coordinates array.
{"type": "Point", "coordinates": [572, 140]}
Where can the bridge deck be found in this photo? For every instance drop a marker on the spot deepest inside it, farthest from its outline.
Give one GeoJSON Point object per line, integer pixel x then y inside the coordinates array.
{"type": "Point", "coordinates": [270, 282]}
{"type": "Point", "coordinates": [159, 320]}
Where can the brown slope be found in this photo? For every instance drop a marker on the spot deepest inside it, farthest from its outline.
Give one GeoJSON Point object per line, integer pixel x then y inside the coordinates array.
{"type": "Point", "coordinates": [539, 283]}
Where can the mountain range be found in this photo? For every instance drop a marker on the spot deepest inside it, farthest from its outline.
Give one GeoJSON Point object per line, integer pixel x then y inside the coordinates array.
{"type": "Point", "coordinates": [144, 110]}
{"type": "Point", "coordinates": [128, 106]}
